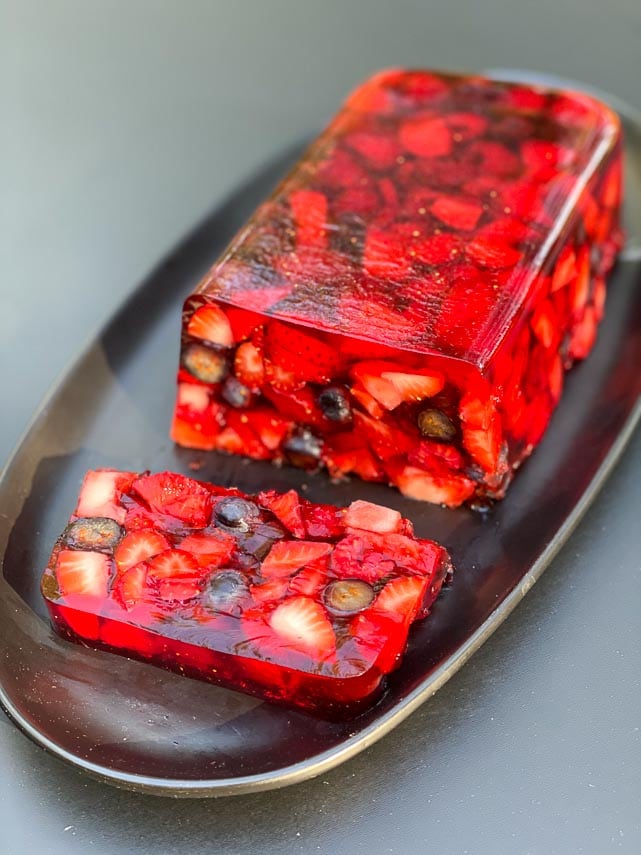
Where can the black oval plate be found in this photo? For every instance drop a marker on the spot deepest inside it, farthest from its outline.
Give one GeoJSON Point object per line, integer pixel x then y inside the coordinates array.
{"type": "Point", "coordinates": [137, 726]}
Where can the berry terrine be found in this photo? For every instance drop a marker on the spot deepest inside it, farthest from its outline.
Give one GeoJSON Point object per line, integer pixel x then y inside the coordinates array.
{"type": "Point", "coordinates": [405, 304]}
{"type": "Point", "coordinates": [306, 604]}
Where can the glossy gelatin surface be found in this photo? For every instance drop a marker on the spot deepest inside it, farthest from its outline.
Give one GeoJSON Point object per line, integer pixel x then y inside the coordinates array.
{"type": "Point", "coordinates": [406, 303]}
{"type": "Point", "coordinates": [305, 604]}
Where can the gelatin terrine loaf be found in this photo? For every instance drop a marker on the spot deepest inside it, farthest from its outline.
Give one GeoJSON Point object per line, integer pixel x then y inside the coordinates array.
{"type": "Point", "coordinates": [405, 305]}
{"type": "Point", "coordinates": [305, 604]}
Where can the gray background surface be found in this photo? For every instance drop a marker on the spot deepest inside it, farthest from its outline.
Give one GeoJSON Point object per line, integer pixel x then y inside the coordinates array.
{"type": "Point", "coordinates": [123, 123]}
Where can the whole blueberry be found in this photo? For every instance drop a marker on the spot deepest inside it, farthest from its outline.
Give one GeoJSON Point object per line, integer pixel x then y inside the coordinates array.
{"type": "Point", "coordinates": [334, 404]}
{"type": "Point", "coordinates": [236, 513]}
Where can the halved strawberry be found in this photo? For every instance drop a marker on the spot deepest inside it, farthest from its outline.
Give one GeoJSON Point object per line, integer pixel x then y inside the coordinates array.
{"type": "Point", "coordinates": [309, 581]}
{"type": "Point", "coordinates": [461, 214]}
{"type": "Point", "coordinates": [437, 457]}
{"type": "Point", "coordinates": [269, 427]}
{"type": "Point", "coordinates": [268, 592]}
{"type": "Point", "coordinates": [299, 405]}
{"type": "Point", "coordinates": [287, 508]}
{"type": "Point", "coordinates": [178, 590]}
{"type": "Point", "coordinates": [309, 209]}
{"type": "Point", "coordinates": [369, 375]}
{"type": "Point", "coordinates": [174, 564]}
{"type": "Point", "coordinates": [281, 378]}
{"type": "Point", "coordinates": [193, 397]}
{"type": "Point", "coordinates": [248, 365]}
{"type": "Point", "coordinates": [239, 438]}
{"type": "Point", "coordinates": [242, 322]}
{"type": "Point", "coordinates": [129, 587]}
{"type": "Point", "coordinates": [176, 495]}
{"type": "Point", "coordinates": [301, 353]}
{"type": "Point", "coordinates": [209, 323]}
{"type": "Point", "coordinates": [287, 556]}
{"type": "Point", "coordinates": [192, 435]}
{"type": "Point", "coordinates": [419, 484]}
{"type": "Point", "coordinates": [367, 401]}
{"type": "Point", "coordinates": [425, 136]}
{"type": "Point", "coordinates": [490, 252]}
{"type": "Point", "coordinates": [100, 494]}
{"type": "Point", "coordinates": [139, 546]}
{"type": "Point", "coordinates": [403, 596]}
{"type": "Point", "coordinates": [385, 440]}
{"type": "Point", "coordinates": [325, 521]}
{"type": "Point", "coordinates": [304, 624]}
{"type": "Point", "coordinates": [379, 636]}
{"type": "Point", "coordinates": [415, 386]}
{"type": "Point", "coordinates": [85, 573]}
{"type": "Point", "coordinates": [475, 411]}
{"type": "Point", "coordinates": [380, 150]}
{"type": "Point", "coordinates": [210, 550]}
{"type": "Point", "coordinates": [371, 517]}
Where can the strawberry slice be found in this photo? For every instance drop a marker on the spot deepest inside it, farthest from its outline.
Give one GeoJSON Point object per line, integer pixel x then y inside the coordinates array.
{"type": "Point", "coordinates": [287, 556]}
{"type": "Point", "coordinates": [385, 440]}
{"type": "Point", "coordinates": [209, 323]}
{"type": "Point", "coordinates": [129, 588]}
{"type": "Point", "coordinates": [299, 405]}
{"type": "Point", "coordinates": [84, 573]}
{"type": "Point", "coordinates": [309, 581]}
{"type": "Point", "coordinates": [174, 564]}
{"type": "Point", "coordinates": [304, 624]}
{"type": "Point", "coordinates": [281, 378]}
{"type": "Point", "coordinates": [139, 546]}
{"type": "Point", "coordinates": [418, 484]}
{"type": "Point", "coordinates": [425, 136]}
{"type": "Point", "coordinates": [268, 592]}
{"type": "Point", "coordinates": [249, 366]}
{"type": "Point", "coordinates": [178, 590]}
{"type": "Point", "coordinates": [193, 397]}
{"type": "Point", "coordinates": [438, 249]}
{"type": "Point", "coordinates": [270, 428]}
{"type": "Point", "coordinates": [386, 255]}
{"type": "Point", "coordinates": [176, 495]}
{"type": "Point", "coordinates": [309, 209]}
{"type": "Point", "coordinates": [286, 507]}
{"type": "Point", "coordinates": [242, 322]}
{"type": "Point", "coordinates": [371, 517]}
{"type": "Point", "coordinates": [403, 596]}
{"type": "Point", "coordinates": [100, 494]}
{"type": "Point", "coordinates": [490, 252]}
{"type": "Point", "coordinates": [367, 401]}
{"type": "Point", "coordinates": [300, 353]}
{"type": "Point", "coordinates": [209, 550]}
{"type": "Point", "coordinates": [460, 214]}
{"type": "Point", "coordinates": [325, 521]}
{"type": "Point", "coordinates": [415, 387]}
{"type": "Point", "coordinates": [379, 150]}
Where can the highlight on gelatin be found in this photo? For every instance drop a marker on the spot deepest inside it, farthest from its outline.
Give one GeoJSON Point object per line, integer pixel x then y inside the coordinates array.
{"type": "Point", "coordinates": [405, 306]}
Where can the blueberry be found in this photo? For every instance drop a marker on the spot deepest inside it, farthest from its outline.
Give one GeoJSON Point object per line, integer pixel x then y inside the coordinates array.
{"type": "Point", "coordinates": [236, 513]}
{"type": "Point", "coordinates": [348, 596]}
{"type": "Point", "coordinates": [225, 590]}
{"type": "Point", "coordinates": [236, 393]}
{"type": "Point", "coordinates": [303, 449]}
{"type": "Point", "coordinates": [96, 534]}
{"type": "Point", "coordinates": [334, 403]}
{"type": "Point", "coordinates": [434, 424]}
{"type": "Point", "coordinates": [205, 363]}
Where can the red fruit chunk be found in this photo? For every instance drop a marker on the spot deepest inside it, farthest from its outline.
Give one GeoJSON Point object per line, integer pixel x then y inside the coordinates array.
{"type": "Point", "coordinates": [379, 150]}
{"type": "Point", "coordinates": [304, 355]}
{"type": "Point", "coordinates": [322, 521]}
{"type": "Point", "coordinates": [287, 508]}
{"type": "Point", "coordinates": [100, 494]}
{"type": "Point", "coordinates": [459, 214]}
{"type": "Point", "coordinates": [285, 557]}
{"type": "Point", "coordinates": [492, 253]}
{"type": "Point", "coordinates": [129, 588]}
{"type": "Point", "coordinates": [426, 136]}
{"type": "Point", "coordinates": [309, 209]}
{"type": "Point", "coordinates": [249, 366]}
{"type": "Point", "coordinates": [176, 495]}
{"type": "Point", "coordinates": [209, 550]}
{"type": "Point", "coordinates": [210, 324]}
{"type": "Point", "coordinates": [304, 624]}
{"type": "Point", "coordinates": [403, 596]}
{"type": "Point", "coordinates": [139, 546]}
{"type": "Point", "coordinates": [174, 564]}
{"type": "Point", "coordinates": [83, 573]}
{"type": "Point", "coordinates": [371, 517]}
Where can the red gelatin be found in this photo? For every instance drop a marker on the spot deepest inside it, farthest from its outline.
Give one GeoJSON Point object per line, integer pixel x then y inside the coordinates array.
{"type": "Point", "coordinates": [307, 605]}
{"type": "Point", "coordinates": [423, 277]}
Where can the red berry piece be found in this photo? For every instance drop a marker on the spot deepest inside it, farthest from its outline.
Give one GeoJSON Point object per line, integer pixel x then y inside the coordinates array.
{"type": "Point", "coordinates": [176, 495]}
{"type": "Point", "coordinates": [492, 253]}
{"type": "Point", "coordinates": [460, 214]}
{"type": "Point", "coordinates": [83, 573]}
{"type": "Point", "coordinates": [304, 624]}
{"type": "Point", "coordinates": [309, 209]}
{"type": "Point", "coordinates": [248, 365]}
{"type": "Point", "coordinates": [403, 596]}
{"type": "Point", "coordinates": [425, 136]}
{"type": "Point", "coordinates": [370, 517]}
{"type": "Point", "coordinates": [210, 550]}
{"type": "Point", "coordinates": [302, 354]}
{"type": "Point", "coordinates": [174, 564]}
{"type": "Point", "coordinates": [139, 546]}
{"type": "Point", "coordinates": [210, 324]}
{"type": "Point", "coordinates": [286, 557]}
{"type": "Point", "coordinates": [379, 150]}
{"type": "Point", "coordinates": [130, 586]}
{"type": "Point", "coordinates": [286, 507]}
